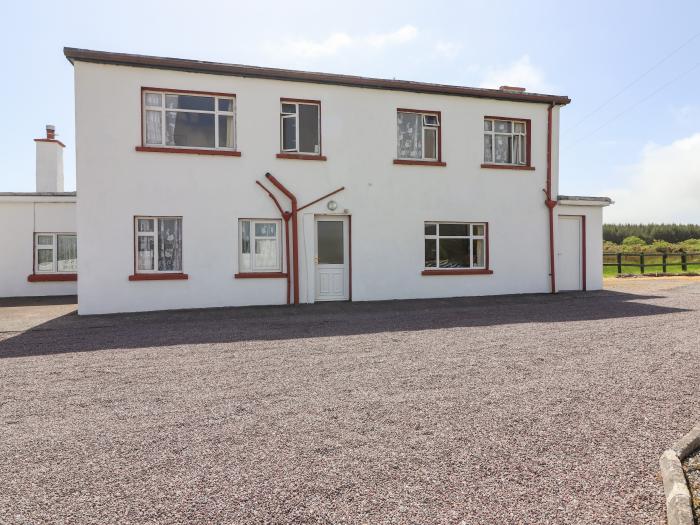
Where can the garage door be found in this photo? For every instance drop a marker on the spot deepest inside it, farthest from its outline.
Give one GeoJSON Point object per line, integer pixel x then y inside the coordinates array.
{"type": "Point", "coordinates": [569, 253]}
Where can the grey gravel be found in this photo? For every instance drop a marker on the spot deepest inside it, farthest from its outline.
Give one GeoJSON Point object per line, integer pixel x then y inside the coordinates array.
{"type": "Point", "coordinates": [691, 466]}
{"type": "Point", "coordinates": [523, 409]}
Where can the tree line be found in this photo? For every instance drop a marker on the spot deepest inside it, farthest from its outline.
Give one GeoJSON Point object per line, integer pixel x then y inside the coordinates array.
{"type": "Point", "coordinates": [673, 233]}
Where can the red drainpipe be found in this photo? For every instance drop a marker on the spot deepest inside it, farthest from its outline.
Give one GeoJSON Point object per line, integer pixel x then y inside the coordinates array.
{"type": "Point", "coordinates": [549, 202]}
{"type": "Point", "coordinates": [295, 233]}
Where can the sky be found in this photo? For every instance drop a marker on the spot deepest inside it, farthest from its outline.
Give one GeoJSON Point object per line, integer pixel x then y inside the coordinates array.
{"type": "Point", "coordinates": [631, 68]}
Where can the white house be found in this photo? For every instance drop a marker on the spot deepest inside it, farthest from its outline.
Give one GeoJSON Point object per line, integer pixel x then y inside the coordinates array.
{"type": "Point", "coordinates": [38, 232]}
{"type": "Point", "coordinates": [205, 184]}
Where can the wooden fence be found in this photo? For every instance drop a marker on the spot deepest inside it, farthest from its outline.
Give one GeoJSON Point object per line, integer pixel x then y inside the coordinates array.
{"type": "Point", "coordinates": [644, 261]}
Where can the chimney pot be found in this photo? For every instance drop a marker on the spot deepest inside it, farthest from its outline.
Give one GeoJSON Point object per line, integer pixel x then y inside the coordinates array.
{"type": "Point", "coordinates": [512, 89]}
{"type": "Point", "coordinates": [50, 131]}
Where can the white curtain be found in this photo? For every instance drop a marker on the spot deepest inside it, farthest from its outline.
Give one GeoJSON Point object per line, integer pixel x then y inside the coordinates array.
{"type": "Point", "coordinates": [410, 135]}
{"type": "Point", "coordinates": [265, 254]}
{"type": "Point", "coordinates": [67, 248]}
{"type": "Point", "coordinates": [154, 127]}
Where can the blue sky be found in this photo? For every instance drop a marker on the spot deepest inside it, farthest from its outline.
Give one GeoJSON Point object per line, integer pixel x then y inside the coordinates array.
{"type": "Point", "coordinates": [641, 148]}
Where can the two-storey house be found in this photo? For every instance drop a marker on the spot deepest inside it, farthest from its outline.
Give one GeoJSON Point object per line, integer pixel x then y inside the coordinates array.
{"type": "Point", "coordinates": [205, 184]}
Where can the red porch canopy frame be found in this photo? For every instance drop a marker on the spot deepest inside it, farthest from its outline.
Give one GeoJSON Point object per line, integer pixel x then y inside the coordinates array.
{"type": "Point", "coordinates": [293, 215]}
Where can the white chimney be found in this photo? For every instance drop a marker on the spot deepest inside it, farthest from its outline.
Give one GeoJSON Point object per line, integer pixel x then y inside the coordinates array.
{"type": "Point", "coordinates": [49, 162]}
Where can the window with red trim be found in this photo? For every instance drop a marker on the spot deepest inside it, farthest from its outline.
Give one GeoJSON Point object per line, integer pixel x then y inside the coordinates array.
{"type": "Point", "coordinates": [418, 136]}
{"type": "Point", "coordinates": [300, 127]}
{"type": "Point", "coordinates": [455, 246]}
{"type": "Point", "coordinates": [158, 244]}
{"type": "Point", "coordinates": [188, 120]}
{"type": "Point", "coordinates": [55, 253]}
{"type": "Point", "coordinates": [505, 142]}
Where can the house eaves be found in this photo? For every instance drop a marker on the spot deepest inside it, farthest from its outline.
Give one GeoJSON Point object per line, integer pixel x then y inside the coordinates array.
{"type": "Point", "coordinates": [197, 66]}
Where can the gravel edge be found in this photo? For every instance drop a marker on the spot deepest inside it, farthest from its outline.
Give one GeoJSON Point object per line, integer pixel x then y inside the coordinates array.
{"type": "Point", "coordinates": [679, 510]}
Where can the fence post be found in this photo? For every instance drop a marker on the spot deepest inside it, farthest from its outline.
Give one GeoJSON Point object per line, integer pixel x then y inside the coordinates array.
{"type": "Point", "coordinates": [684, 262]}
{"type": "Point", "coordinates": [641, 263]}
{"type": "Point", "coordinates": [663, 262]}
{"type": "Point", "coordinates": [619, 263]}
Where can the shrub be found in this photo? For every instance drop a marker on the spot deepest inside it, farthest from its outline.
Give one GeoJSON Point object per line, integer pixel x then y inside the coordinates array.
{"type": "Point", "coordinates": [666, 232]}
{"type": "Point", "coordinates": [633, 240]}
{"type": "Point", "coordinates": [662, 246]}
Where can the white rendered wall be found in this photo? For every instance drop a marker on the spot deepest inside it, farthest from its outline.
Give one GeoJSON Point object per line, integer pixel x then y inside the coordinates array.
{"type": "Point", "coordinates": [49, 166]}
{"type": "Point", "coordinates": [388, 203]}
{"type": "Point", "coordinates": [594, 240]}
{"type": "Point", "coordinates": [20, 221]}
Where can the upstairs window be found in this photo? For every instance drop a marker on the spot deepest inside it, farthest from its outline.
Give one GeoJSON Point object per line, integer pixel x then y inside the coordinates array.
{"type": "Point", "coordinates": [505, 142]}
{"type": "Point", "coordinates": [55, 253]}
{"type": "Point", "coordinates": [158, 244]}
{"type": "Point", "coordinates": [418, 135]}
{"type": "Point", "coordinates": [259, 243]}
{"type": "Point", "coordinates": [300, 127]}
{"type": "Point", "coordinates": [455, 245]}
{"type": "Point", "coordinates": [180, 120]}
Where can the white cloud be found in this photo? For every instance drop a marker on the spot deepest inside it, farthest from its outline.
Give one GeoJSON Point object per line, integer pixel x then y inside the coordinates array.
{"type": "Point", "coordinates": [663, 187]}
{"type": "Point", "coordinates": [521, 73]}
{"type": "Point", "coordinates": [446, 49]}
{"type": "Point", "coordinates": [401, 36]}
{"type": "Point", "coordinates": [338, 42]}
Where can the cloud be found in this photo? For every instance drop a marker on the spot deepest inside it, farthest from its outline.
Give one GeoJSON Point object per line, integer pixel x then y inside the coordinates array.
{"type": "Point", "coordinates": [520, 73]}
{"type": "Point", "coordinates": [401, 36]}
{"type": "Point", "coordinates": [664, 186]}
{"type": "Point", "coordinates": [338, 42]}
{"type": "Point", "coordinates": [446, 49]}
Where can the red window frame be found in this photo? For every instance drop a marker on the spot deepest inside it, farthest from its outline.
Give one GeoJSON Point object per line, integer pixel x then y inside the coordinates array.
{"type": "Point", "coordinates": [191, 151]}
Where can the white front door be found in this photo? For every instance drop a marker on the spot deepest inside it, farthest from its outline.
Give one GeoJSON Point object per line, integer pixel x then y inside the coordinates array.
{"type": "Point", "coordinates": [569, 253]}
{"type": "Point", "coordinates": [332, 245]}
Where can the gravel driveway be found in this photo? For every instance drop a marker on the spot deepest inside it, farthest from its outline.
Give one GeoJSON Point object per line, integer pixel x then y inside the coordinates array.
{"type": "Point", "coordinates": [526, 409]}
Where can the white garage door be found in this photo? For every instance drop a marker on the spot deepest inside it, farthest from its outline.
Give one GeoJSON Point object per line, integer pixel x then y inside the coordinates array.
{"type": "Point", "coordinates": [569, 253]}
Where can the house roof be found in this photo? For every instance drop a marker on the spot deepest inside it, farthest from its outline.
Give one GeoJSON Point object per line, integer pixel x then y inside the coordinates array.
{"type": "Point", "coordinates": [38, 193]}
{"type": "Point", "coordinates": [38, 196]}
{"type": "Point", "coordinates": [217, 68]}
{"type": "Point", "coordinates": [578, 200]}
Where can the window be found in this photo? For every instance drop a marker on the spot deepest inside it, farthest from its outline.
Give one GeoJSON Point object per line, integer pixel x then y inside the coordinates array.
{"type": "Point", "coordinates": [455, 245]}
{"type": "Point", "coordinates": [505, 142]}
{"type": "Point", "coordinates": [158, 244]}
{"type": "Point", "coordinates": [418, 135]}
{"type": "Point", "coordinates": [259, 244]}
{"type": "Point", "coordinates": [178, 120]}
{"type": "Point", "coordinates": [300, 127]}
{"type": "Point", "coordinates": [55, 253]}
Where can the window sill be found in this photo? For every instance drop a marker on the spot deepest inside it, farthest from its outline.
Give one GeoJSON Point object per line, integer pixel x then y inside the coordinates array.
{"type": "Point", "coordinates": [301, 156]}
{"type": "Point", "coordinates": [507, 167]}
{"type": "Point", "coordinates": [191, 151]}
{"type": "Point", "coordinates": [51, 277]}
{"type": "Point", "coordinates": [481, 271]}
{"type": "Point", "coordinates": [420, 162]}
{"type": "Point", "coordinates": [260, 275]}
{"type": "Point", "coordinates": [158, 277]}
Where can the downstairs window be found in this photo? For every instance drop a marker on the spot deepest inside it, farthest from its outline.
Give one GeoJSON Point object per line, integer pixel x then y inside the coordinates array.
{"type": "Point", "coordinates": [455, 245]}
{"type": "Point", "coordinates": [55, 253]}
{"type": "Point", "coordinates": [259, 246]}
{"type": "Point", "coordinates": [158, 244]}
